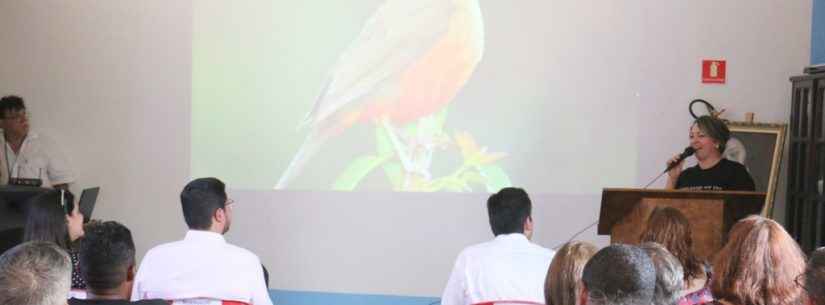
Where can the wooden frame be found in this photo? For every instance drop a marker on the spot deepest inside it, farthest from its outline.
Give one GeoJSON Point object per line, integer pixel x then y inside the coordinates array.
{"type": "Point", "coordinates": [759, 147]}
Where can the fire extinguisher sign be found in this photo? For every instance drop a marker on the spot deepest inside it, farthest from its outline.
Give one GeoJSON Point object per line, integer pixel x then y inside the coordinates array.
{"type": "Point", "coordinates": [713, 71]}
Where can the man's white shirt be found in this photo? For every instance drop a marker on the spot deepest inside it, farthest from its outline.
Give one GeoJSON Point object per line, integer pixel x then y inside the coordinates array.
{"type": "Point", "coordinates": [202, 265]}
{"type": "Point", "coordinates": [38, 158]}
{"type": "Point", "coordinates": [507, 268]}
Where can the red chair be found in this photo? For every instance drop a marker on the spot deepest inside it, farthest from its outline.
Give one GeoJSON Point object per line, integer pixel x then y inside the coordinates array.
{"type": "Point", "coordinates": [205, 301]}
{"type": "Point", "coordinates": [79, 294]}
{"type": "Point", "coordinates": [509, 302]}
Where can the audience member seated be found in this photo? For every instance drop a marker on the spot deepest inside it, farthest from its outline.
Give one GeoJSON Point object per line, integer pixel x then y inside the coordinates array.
{"type": "Point", "coordinates": [669, 228]}
{"type": "Point", "coordinates": [107, 263]}
{"type": "Point", "coordinates": [56, 218]}
{"type": "Point", "coordinates": [563, 282]}
{"type": "Point", "coordinates": [814, 278]}
{"type": "Point", "coordinates": [202, 265]}
{"type": "Point", "coordinates": [618, 275]}
{"type": "Point", "coordinates": [669, 274]}
{"type": "Point", "coordinates": [758, 265]}
{"type": "Point", "coordinates": [507, 268]}
{"type": "Point", "coordinates": [34, 273]}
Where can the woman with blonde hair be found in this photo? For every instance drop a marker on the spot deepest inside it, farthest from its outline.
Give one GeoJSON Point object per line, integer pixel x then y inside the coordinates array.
{"type": "Point", "coordinates": [564, 275]}
{"type": "Point", "coordinates": [758, 265]}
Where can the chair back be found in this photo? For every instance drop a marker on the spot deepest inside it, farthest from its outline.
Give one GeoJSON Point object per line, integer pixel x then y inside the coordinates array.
{"type": "Point", "coordinates": [79, 294]}
{"type": "Point", "coordinates": [205, 301]}
{"type": "Point", "coordinates": [509, 302]}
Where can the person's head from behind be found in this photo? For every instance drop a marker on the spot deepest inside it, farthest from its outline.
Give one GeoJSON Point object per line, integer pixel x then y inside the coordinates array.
{"type": "Point", "coordinates": [107, 260]}
{"type": "Point", "coordinates": [509, 211]}
{"type": "Point", "coordinates": [758, 265]}
{"type": "Point", "coordinates": [13, 117]}
{"type": "Point", "coordinates": [814, 278]}
{"type": "Point", "coordinates": [205, 205]}
{"type": "Point", "coordinates": [669, 274]}
{"type": "Point", "coordinates": [563, 282]}
{"type": "Point", "coordinates": [709, 135]}
{"type": "Point", "coordinates": [35, 273]}
{"type": "Point", "coordinates": [618, 275]}
{"type": "Point", "coordinates": [671, 229]}
{"type": "Point", "coordinates": [53, 216]}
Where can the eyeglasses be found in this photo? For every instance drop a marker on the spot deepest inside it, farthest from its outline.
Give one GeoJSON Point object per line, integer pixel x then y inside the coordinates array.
{"type": "Point", "coordinates": [229, 202]}
{"type": "Point", "coordinates": [18, 116]}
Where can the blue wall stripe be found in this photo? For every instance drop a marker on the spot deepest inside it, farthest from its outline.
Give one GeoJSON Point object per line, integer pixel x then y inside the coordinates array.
{"type": "Point", "coordinates": [290, 297]}
{"type": "Point", "coordinates": [818, 33]}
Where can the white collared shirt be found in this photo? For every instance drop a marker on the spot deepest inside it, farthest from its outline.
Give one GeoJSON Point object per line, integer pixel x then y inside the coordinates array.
{"type": "Point", "coordinates": [202, 265]}
{"type": "Point", "coordinates": [38, 158]}
{"type": "Point", "coordinates": [507, 268]}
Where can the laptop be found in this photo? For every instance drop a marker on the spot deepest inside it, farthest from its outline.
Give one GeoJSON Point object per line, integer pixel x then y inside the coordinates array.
{"type": "Point", "coordinates": [87, 202]}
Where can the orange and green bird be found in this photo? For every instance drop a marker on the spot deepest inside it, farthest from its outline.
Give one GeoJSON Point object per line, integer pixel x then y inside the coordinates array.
{"type": "Point", "coordinates": [409, 61]}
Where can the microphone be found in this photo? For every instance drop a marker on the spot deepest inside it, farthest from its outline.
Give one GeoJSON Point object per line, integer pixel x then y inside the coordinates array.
{"type": "Point", "coordinates": [687, 153]}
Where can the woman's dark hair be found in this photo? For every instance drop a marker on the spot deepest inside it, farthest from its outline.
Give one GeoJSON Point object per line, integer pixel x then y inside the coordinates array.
{"type": "Point", "coordinates": [46, 217]}
{"type": "Point", "coordinates": [714, 128]}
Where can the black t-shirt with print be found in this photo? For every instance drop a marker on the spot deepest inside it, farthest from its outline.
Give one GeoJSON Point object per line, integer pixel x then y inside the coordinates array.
{"type": "Point", "coordinates": [724, 176]}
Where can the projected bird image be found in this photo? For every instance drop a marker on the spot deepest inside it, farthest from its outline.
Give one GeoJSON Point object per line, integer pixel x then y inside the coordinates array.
{"type": "Point", "coordinates": [399, 75]}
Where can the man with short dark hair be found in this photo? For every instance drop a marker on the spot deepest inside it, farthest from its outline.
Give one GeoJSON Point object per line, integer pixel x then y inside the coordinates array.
{"type": "Point", "coordinates": [507, 268]}
{"type": "Point", "coordinates": [35, 273]}
{"type": "Point", "coordinates": [107, 264]}
{"type": "Point", "coordinates": [28, 154]}
{"type": "Point", "coordinates": [202, 267]}
{"type": "Point", "coordinates": [618, 275]}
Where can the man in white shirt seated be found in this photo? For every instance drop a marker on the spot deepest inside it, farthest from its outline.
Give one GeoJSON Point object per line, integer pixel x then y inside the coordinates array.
{"type": "Point", "coordinates": [27, 154]}
{"type": "Point", "coordinates": [507, 268]}
{"type": "Point", "coordinates": [202, 266]}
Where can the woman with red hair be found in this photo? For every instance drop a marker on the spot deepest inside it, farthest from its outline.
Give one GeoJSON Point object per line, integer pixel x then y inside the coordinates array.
{"type": "Point", "coordinates": [758, 265]}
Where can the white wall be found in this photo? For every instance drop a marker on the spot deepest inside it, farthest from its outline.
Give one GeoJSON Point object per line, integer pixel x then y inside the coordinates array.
{"type": "Point", "coordinates": [110, 80]}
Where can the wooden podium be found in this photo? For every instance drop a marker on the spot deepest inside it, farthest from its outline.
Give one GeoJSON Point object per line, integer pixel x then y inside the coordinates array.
{"type": "Point", "coordinates": [711, 214]}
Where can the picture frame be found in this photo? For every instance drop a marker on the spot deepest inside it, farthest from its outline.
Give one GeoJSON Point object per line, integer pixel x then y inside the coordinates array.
{"type": "Point", "coordinates": [759, 147]}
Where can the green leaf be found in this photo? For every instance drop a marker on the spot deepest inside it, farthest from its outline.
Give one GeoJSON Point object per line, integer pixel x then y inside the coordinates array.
{"type": "Point", "coordinates": [395, 173]}
{"type": "Point", "coordinates": [383, 144]}
{"type": "Point", "coordinates": [496, 177]}
{"type": "Point", "coordinates": [356, 171]}
{"type": "Point", "coordinates": [411, 129]}
{"type": "Point", "coordinates": [474, 177]}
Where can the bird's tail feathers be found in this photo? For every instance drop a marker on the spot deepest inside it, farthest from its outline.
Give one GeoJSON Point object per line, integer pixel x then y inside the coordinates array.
{"type": "Point", "coordinates": [308, 149]}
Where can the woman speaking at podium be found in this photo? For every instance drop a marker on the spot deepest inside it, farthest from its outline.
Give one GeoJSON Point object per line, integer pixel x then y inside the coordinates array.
{"type": "Point", "coordinates": [708, 136]}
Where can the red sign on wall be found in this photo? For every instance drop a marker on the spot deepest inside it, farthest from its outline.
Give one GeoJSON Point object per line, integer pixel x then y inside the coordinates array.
{"type": "Point", "coordinates": [713, 71]}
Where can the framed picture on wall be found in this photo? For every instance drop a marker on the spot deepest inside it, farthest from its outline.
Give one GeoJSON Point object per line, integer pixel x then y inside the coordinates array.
{"type": "Point", "coordinates": [759, 147]}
